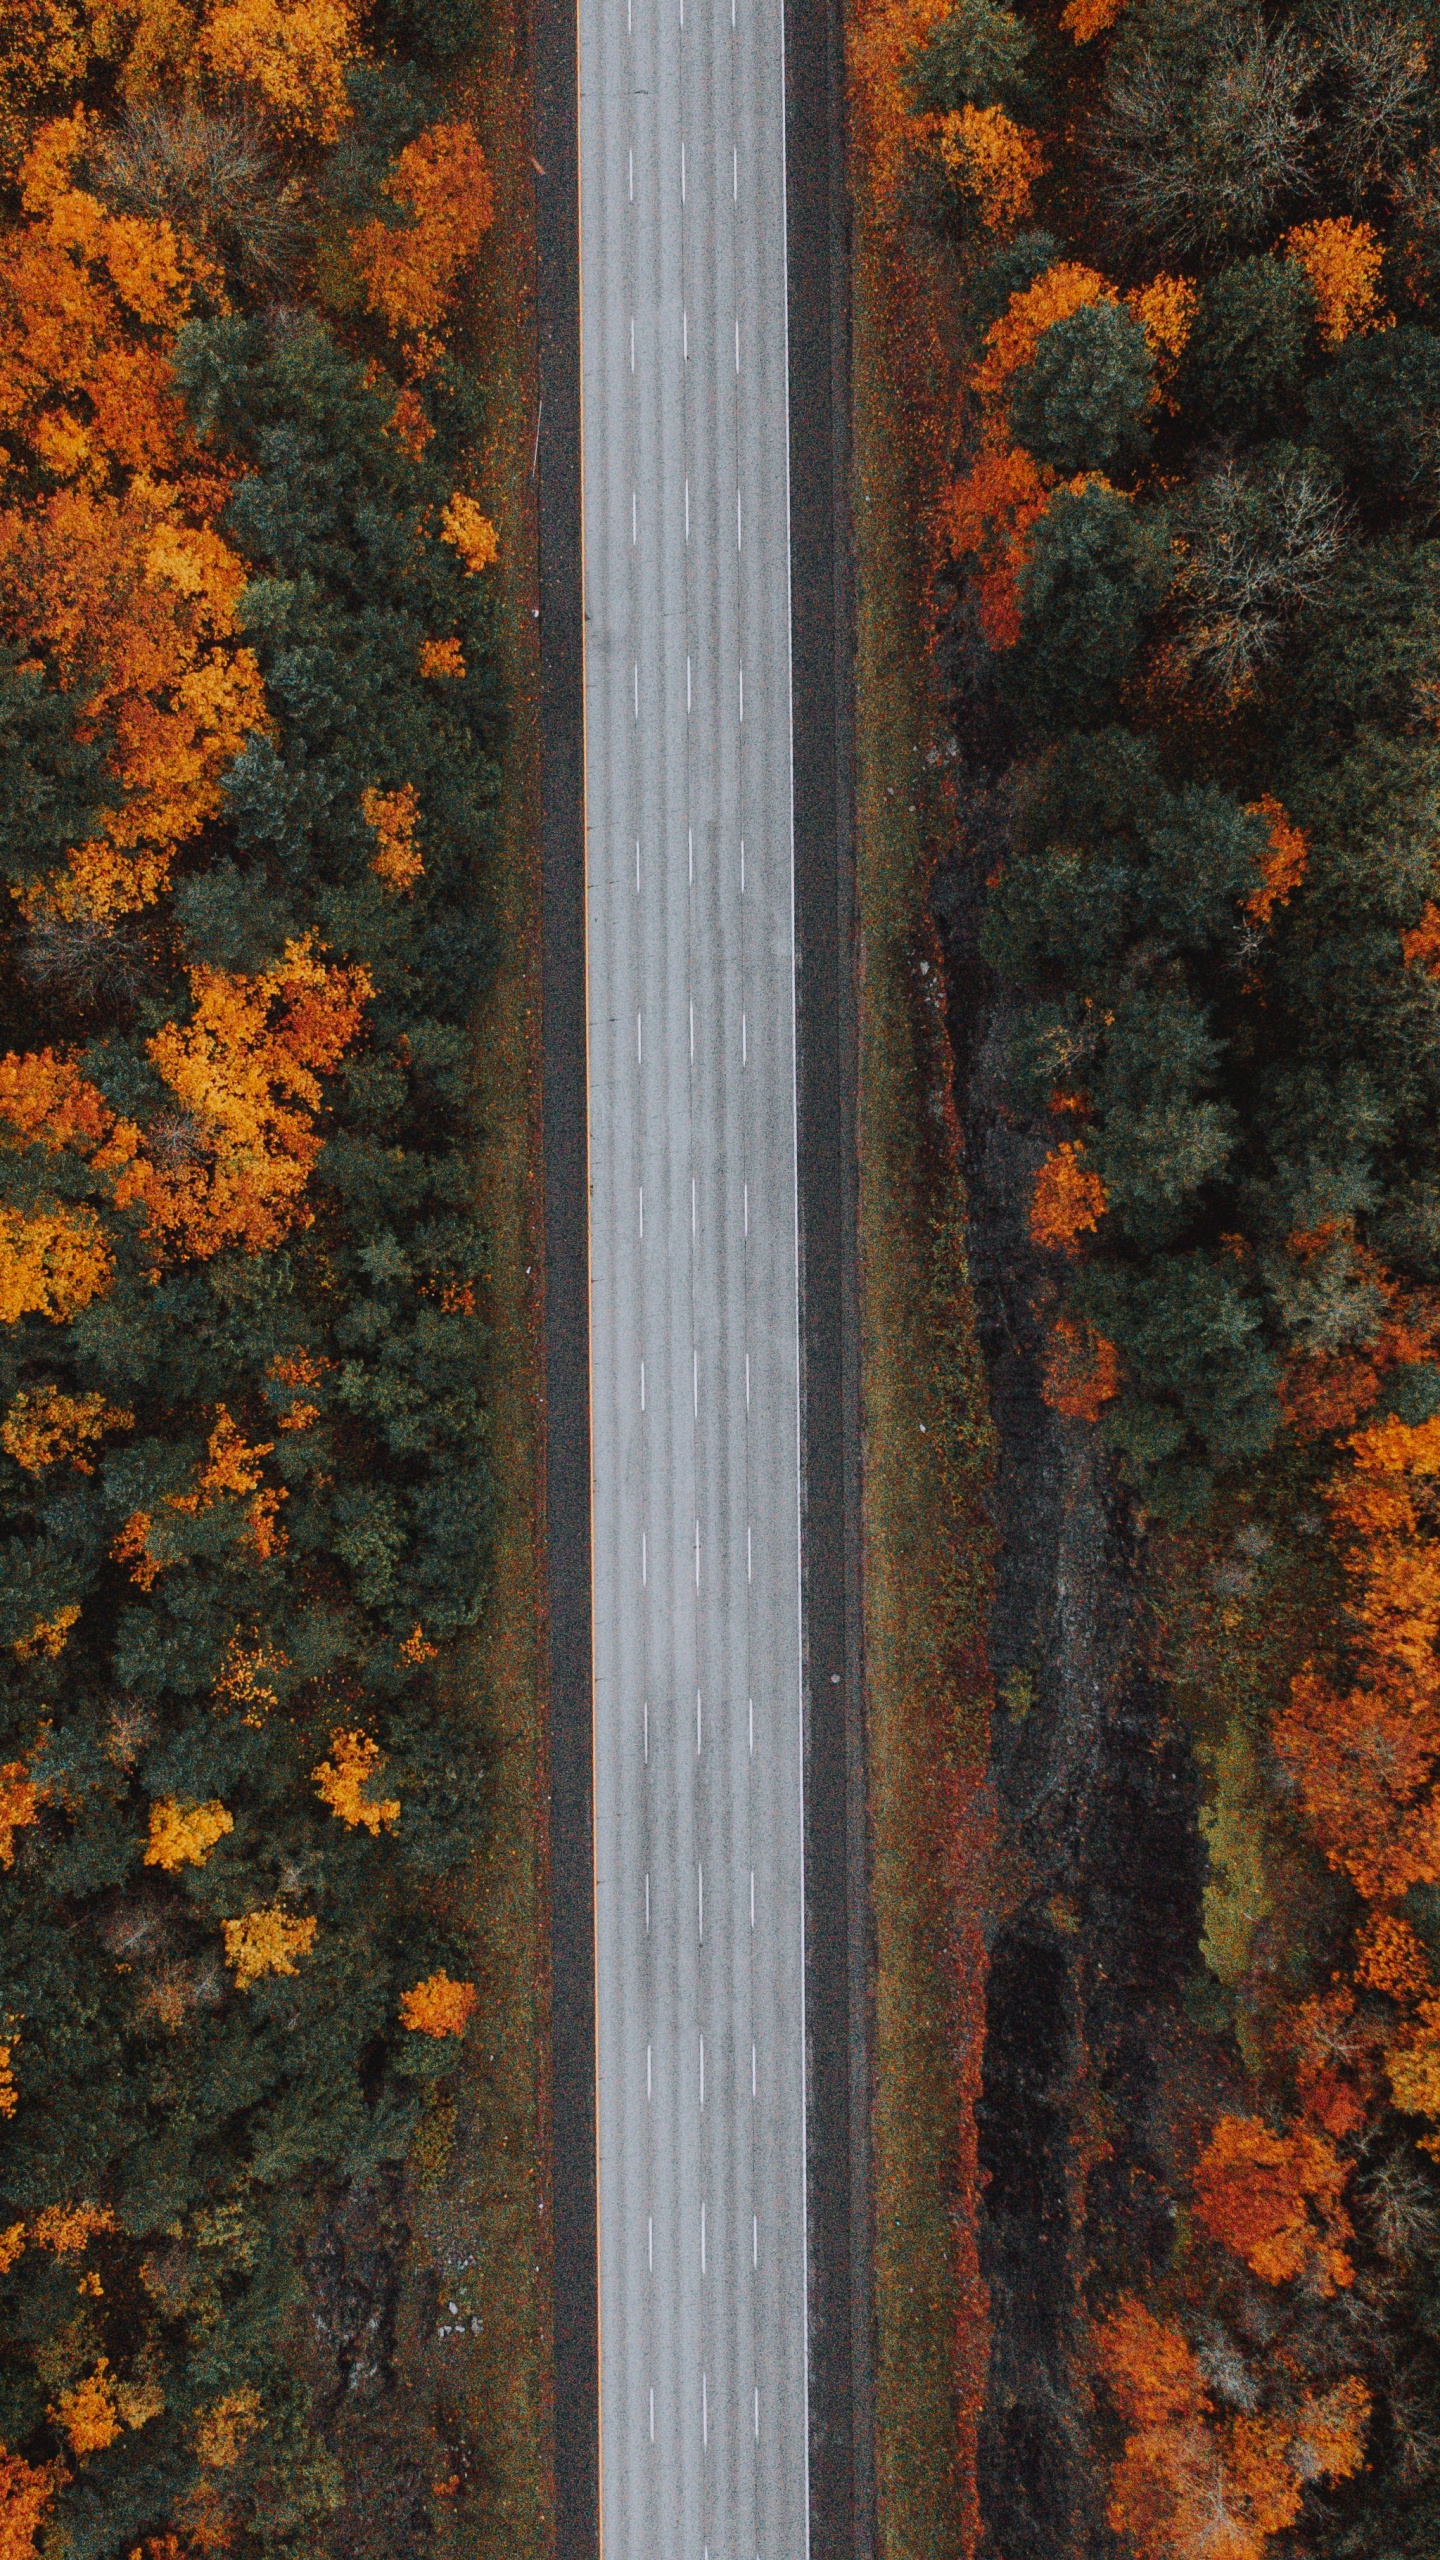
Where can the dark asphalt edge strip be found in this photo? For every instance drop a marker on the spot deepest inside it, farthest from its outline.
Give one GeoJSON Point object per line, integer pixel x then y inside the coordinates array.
{"type": "Point", "coordinates": [567, 1287]}
{"type": "Point", "coordinates": [838, 1967]}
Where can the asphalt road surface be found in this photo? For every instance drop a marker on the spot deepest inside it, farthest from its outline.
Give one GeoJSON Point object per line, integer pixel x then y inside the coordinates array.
{"type": "Point", "coordinates": [699, 1829]}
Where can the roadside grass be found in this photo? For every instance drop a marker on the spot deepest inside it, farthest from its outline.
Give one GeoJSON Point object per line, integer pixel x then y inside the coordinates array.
{"type": "Point", "coordinates": [928, 1455]}
{"type": "Point", "coordinates": [477, 2179]}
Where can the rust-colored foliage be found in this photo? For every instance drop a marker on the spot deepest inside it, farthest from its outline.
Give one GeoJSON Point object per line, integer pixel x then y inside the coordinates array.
{"type": "Point", "coordinates": [1343, 260]}
{"type": "Point", "coordinates": [1413, 2065]}
{"type": "Point", "coordinates": [469, 532]}
{"type": "Point", "coordinates": [46, 1638]}
{"type": "Point", "coordinates": [226, 2427]}
{"type": "Point", "coordinates": [107, 578]}
{"type": "Point", "coordinates": [289, 55]}
{"type": "Point", "coordinates": [1364, 1758]}
{"type": "Point", "coordinates": [20, 1802]}
{"type": "Point", "coordinates": [441, 658]}
{"type": "Point", "coordinates": [51, 1264]}
{"type": "Point", "coordinates": [994, 160]}
{"type": "Point", "coordinates": [1275, 2199]}
{"type": "Point", "coordinates": [438, 2007]}
{"type": "Point", "coordinates": [988, 516]}
{"type": "Point", "coordinates": [1284, 862]}
{"type": "Point", "coordinates": [1011, 341]}
{"type": "Point", "coordinates": [183, 1835]}
{"type": "Point", "coordinates": [882, 37]}
{"type": "Point", "coordinates": [443, 182]}
{"type": "Point", "coordinates": [45, 1428]}
{"type": "Point", "coordinates": [394, 816]}
{"type": "Point", "coordinates": [1390, 1957]}
{"type": "Point", "coordinates": [25, 2493]}
{"type": "Point", "coordinates": [1165, 309]}
{"type": "Point", "coordinates": [67, 2229]}
{"type": "Point", "coordinates": [1082, 1370]}
{"type": "Point", "coordinates": [1086, 18]}
{"type": "Point", "coordinates": [1067, 1200]}
{"type": "Point", "coordinates": [1421, 944]}
{"type": "Point", "coordinates": [1191, 2486]}
{"type": "Point", "coordinates": [87, 2412]}
{"type": "Point", "coordinates": [245, 1072]}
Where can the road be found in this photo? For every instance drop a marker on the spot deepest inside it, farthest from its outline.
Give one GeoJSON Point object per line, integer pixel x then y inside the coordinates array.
{"type": "Point", "coordinates": [694, 1342]}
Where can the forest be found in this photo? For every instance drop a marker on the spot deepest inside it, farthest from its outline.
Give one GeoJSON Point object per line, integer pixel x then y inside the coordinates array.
{"type": "Point", "coordinates": [250, 717]}
{"type": "Point", "coordinates": [1185, 550]}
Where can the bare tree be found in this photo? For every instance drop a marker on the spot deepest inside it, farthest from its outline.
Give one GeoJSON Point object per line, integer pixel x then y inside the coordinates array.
{"type": "Point", "coordinates": [213, 177]}
{"type": "Point", "coordinates": [1255, 549]}
{"type": "Point", "coordinates": [1416, 2431]}
{"type": "Point", "coordinates": [1380, 71]}
{"type": "Point", "coordinates": [1403, 2212]}
{"type": "Point", "coordinates": [84, 957]}
{"type": "Point", "coordinates": [1203, 143]}
{"type": "Point", "coordinates": [175, 1139]}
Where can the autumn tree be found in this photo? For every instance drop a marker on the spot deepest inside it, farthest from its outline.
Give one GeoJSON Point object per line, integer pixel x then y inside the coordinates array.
{"type": "Point", "coordinates": [1275, 2200]}
{"type": "Point", "coordinates": [230, 1163]}
{"type": "Point", "coordinates": [442, 182]}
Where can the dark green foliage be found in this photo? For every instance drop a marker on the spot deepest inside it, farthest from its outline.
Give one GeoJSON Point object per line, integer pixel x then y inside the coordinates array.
{"type": "Point", "coordinates": [1187, 1326]}
{"type": "Point", "coordinates": [1124, 902]}
{"type": "Point", "coordinates": [1366, 658]}
{"type": "Point", "coordinates": [1252, 342]}
{"type": "Point", "coordinates": [391, 103]}
{"type": "Point", "coordinates": [1378, 412]}
{"type": "Point", "coordinates": [444, 30]}
{"type": "Point", "coordinates": [978, 55]}
{"type": "Point", "coordinates": [1083, 403]}
{"type": "Point", "coordinates": [1163, 1139]}
{"type": "Point", "coordinates": [1098, 566]}
{"type": "Point", "coordinates": [51, 784]}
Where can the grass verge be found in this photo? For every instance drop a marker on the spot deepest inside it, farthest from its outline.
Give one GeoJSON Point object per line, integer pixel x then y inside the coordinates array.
{"type": "Point", "coordinates": [927, 1460]}
{"type": "Point", "coordinates": [478, 2176]}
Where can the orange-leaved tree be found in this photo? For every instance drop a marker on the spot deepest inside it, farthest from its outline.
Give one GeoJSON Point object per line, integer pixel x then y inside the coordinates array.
{"type": "Point", "coordinates": [229, 1165]}
{"type": "Point", "coordinates": [443, 182]}
{"type": "Point", "coordinates": [988, 515]}
{"type": "Point", "coordinates": [341, 1782]}
{"type": "Point", "coordinates": [1067, 1200]}
{"type": "Point", "coordinates": [1191, 2486]}
{"type": "Point", "coordinates": [1342, 259]}
{"type": "Point", "coordinates": [1082, 1370]}
{"type": "Point", "coordinates": [26, 2492]}
{"type": "Point", "coordinates": [1363, 1757]}
{"type": "Point", "coordinates": [1275, 2199]}
{"type": "Point", "coordinates": [437, 2006]}
{"type": "Point", "coordinates": [995, 161]}
{"type": "Point", "coordinates": [289, 56]}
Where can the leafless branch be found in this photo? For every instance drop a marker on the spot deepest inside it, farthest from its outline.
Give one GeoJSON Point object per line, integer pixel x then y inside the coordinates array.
{"type": "Point", "coordinates": [1202, 153]}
